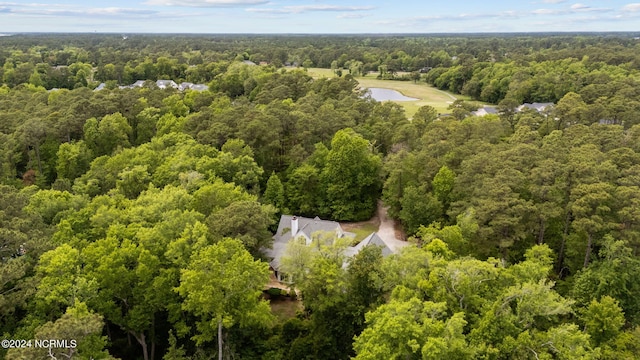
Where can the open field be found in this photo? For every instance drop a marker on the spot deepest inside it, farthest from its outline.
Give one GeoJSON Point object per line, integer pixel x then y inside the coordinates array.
{"type": "Point", "coordinates": [427, 94]}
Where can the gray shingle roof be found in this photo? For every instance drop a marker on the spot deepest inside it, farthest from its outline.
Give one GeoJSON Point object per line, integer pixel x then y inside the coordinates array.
{"type": "Point", "coordinates": [375, 240]}
{"type": "Point", "coordinates": [163, 84]}
{"type": "Point", "coordinates": [485, 110]}
{"type": "Point", "coordinates": [199, 87]}
{"type": "Point", "coordinates": [534, 106]}
{"type": "Point", "coordinates": [185, 86]}
{"type": "Point", "coordinates": [308, 227]}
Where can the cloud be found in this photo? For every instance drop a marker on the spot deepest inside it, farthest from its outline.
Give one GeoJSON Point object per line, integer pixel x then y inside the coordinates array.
{"type": "Point", "coordinates": [111, 12]}
{"type": "Point", "coordinates": [579, 6]}
{"type": "Point", "coordinates": [305, 8]}
{"type": "Point", "coordinates": [351, 16]}
{"type": "Point", "coordinates": [548, 12]}
{"type": "Point", "coordinates": [297, 9]}
{"type": "Point", "coordinates": [553, 1]}
{"type": "Point", "coordinates": [635, 7]}
{"type": "Point", "coordinates": [207, 3]}
{"type": "Point", "coordinates": [66, 10]}
{"type": "Point", "coordinates": [573, 9]}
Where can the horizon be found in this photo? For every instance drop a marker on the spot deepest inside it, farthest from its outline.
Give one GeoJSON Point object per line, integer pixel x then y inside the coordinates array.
{"type": "Point", "coordinates": [527, 33]}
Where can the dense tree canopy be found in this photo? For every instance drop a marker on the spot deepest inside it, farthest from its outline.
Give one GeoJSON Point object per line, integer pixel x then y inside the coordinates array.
{"type": "Point", "coordinates": [136, 220]}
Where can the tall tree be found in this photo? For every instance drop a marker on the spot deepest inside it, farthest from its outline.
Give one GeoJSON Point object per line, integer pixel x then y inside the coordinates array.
{"type": "Point", "coordinates": [591, 205]}
{"type": "Point", "coordinates": [222, 287]}
{"type": "Point", "coordinates": [274, 193]}
{"type": "Point", "coordinates": [352, 177]}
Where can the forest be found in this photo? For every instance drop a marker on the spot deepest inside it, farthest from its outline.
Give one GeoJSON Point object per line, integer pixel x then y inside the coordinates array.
{"type": "Point", "coordinates": [135, 220]}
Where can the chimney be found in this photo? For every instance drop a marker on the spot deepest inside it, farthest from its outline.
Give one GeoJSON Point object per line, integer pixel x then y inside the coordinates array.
{"type": "Point", "coordinates": [294, 226]}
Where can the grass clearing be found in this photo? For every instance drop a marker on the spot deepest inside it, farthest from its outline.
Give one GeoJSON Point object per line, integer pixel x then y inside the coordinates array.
{"type": "Point", "coordinates": [427, 94]}
{"type": "Point", "coordinates": [361, 229]}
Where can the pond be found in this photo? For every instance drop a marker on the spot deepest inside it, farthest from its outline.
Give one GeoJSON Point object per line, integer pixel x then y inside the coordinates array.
{"type": "Point", "coordinates": [381, 94]}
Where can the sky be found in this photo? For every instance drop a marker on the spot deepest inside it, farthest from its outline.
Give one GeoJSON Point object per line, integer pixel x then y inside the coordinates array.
{"type": "Point", "coordinates": [317, 16]}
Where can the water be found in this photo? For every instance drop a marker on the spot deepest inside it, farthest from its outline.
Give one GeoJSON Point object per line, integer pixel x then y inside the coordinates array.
{"type": "Point", "coordinates": [381, 94]}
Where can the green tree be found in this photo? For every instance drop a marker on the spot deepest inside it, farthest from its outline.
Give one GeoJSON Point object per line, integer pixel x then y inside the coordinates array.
{"type": "Point", "coordinates": [305, 195]}
{"type": "Point", "coordinates": [419, 208]}
{"type": "Point", "coordinates": [222, 287]}
{"type": "Point", "coordinates": [23, 239]}
{"type": "Point", "coordinates": [108, 134]}
{"type": "Point", "coordinates": [247, 221]}
{"type": "Point", "coordinates": [615, 274]}
{"type": "Point", "coordinates": [79, 327]}
{"type": "Point", "coordinates": [352, 177]}
{"type": "Point", "coordinates": [274, 193]}
{"type": "Point", "coordinates": [442, 185]}
{"type": "Point", "coordinates": [73, 160]}
{"type": "Point", "coordinates": [603, 319]}
{"type": "Point", "coordinates": [590, 207]}
{"type": "Point", "coordinates": [407, 328]}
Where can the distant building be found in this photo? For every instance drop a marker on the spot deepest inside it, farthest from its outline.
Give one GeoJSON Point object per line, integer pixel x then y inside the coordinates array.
{"type": "Point", "coordinates": [199, 87]}
{"type": "Point", "coordinates": [485, 110]}
{"type": "Point", "coordinates": [184, 86]}
{"type": "Point", "coordinates": [539, 107]}
{"type": "Point", "coordinates": [164, 84]}
{"type": "Point", "coordinates": [492, 110]}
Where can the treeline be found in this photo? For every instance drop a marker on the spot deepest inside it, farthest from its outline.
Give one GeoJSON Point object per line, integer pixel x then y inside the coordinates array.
{"type": "Point", "coordinates": [520, 81]}
{"type": "Point", "coordinates": [80, 60]}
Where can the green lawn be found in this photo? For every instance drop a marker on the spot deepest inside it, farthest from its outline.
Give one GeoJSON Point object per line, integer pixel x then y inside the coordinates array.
{"type": "Point", "coordinates": [427, 94]}
{"type": "Point", "coordinates": [362, 230]}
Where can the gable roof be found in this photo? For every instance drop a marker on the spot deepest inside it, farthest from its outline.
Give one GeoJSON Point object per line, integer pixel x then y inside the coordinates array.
{"type": "Point", "coordinates": [485, 110]}
{"type": "Point", "coordinates": [163, 84]}
{"type": "Point", "coordinates": [534, 106]}
{"type": "Point", "coordinates": [199, 87]}
{"type": "Point", "coordinates": [308, 227]}
{"type": "Point", "coordinates": [185, 85]}
{"type": "Point", "coordinates": [374, 240]}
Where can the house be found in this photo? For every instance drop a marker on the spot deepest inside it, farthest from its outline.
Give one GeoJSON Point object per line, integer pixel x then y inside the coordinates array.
{"type": "Point", "coordinates": [100, 87]}
{"type": "Point", "coordinates": [372, 239]}
{"type": "Point", "coordinates": [300, 228]}
{"type": "Point", "coordinates": [199, 87]}
{"type": "Point", "coordinates": [139, 83]}
{"type": "Point", "coordinates": [249, 62]}
{"type": "Point", "coordinates": [539, 107]}
{"type": "Point", "coordinates": [184, 86]}
{"type": "Point", "coordinates": [485, 110]}
{"type": "Point", "coordinates": [164, 84]}
{"type": "Point", "coordinates": [492, 110]}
